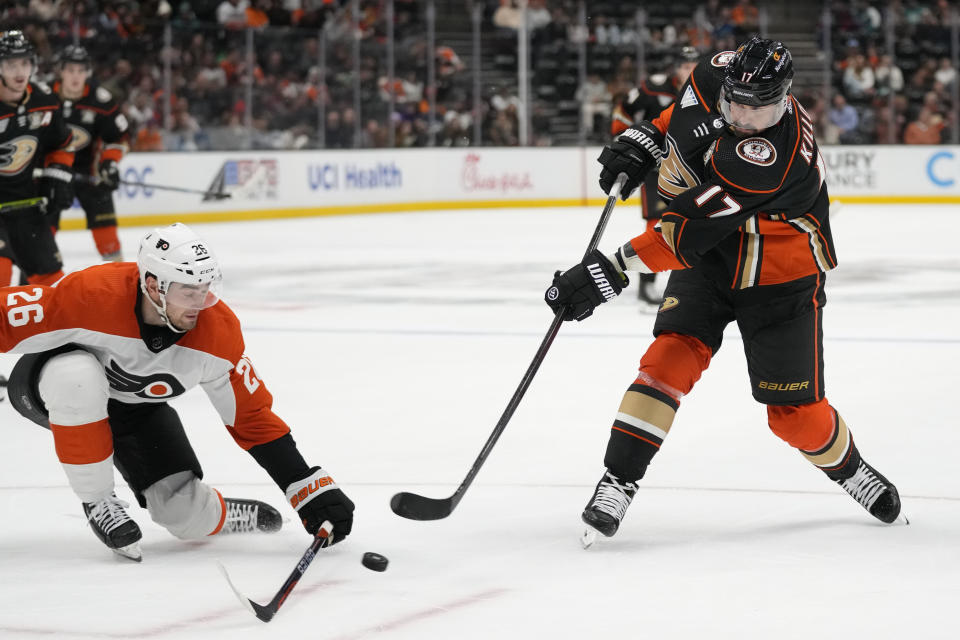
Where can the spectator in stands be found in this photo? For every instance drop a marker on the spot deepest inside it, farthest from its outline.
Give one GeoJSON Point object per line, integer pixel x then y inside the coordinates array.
{"type": "Point", "coordinates": [232, 14]}
{"type": "Point", "coordinates": [507, 16]}
{"type": "Point", "coordinates": [594, 100]}
{"type": "Point", "coordinates": [925, 129]}
{"type": "Point", "coordinates": [745, 17]}
{"type": "Point", "coordinates": [843, 121]}
{"type": "Point", "coordinates": [858, 80]}
{"type": "Point", "coordinates": [149, 138]}
{"type": "Point", "coordinates": [887, 77]}
{"type": "Point", "coordinates": [348, 122]}
{"type": "Point", "coordinates": [945, 73]}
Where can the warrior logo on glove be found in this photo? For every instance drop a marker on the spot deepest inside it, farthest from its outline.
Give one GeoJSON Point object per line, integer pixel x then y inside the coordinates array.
{"type": "Point", "coordinates": [578, 290]}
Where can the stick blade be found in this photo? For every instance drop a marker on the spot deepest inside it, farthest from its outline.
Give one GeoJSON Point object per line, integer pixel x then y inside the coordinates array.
{"type": "Point", "coordinates": [417, 507]}
{"type": "Point", "coordinates": [263, 613]}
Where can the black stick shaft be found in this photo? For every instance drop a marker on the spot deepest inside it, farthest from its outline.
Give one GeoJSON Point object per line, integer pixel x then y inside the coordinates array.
{"type": "Point", "coordinates": [450, 505]}
{"type": "Point", "coordinates": [96, 180]}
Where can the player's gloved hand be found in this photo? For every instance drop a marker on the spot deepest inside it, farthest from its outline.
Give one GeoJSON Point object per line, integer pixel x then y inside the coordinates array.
{"type": "Point", "coordinates": [317, 498]}
{"type": "Point", "coordinates": [635, 152]}
{"type": "Point", "coordinates": [55, 184]}
{"type": "Point", "coordinates": [584, 286]}
{"type": "Point", "coordinates": [109, 174]}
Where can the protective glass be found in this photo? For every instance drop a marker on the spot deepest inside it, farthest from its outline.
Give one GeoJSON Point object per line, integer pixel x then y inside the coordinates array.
{"type": "Point", "coordinates": [750, 118]}
{"type": "Point", "coordinates": [194, 296]}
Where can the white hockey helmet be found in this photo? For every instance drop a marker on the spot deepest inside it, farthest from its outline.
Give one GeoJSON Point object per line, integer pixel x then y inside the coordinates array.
{"type": "Point", "coordinates": [187, 271]}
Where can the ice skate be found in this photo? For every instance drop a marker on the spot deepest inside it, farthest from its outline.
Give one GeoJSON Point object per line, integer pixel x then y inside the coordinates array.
{"type": "Point", "coordinates": [877, 494]}
{"type": "Point", "coordinates": [647, 292]}
{"type": "Point", "coordinates": [247, 516]}
{"type": "Point", "coordinates": [3, 388]}
{"type": "Point", "coordinates": [607, 507]}
{"type": "Point", "coordinates": [109, 520]}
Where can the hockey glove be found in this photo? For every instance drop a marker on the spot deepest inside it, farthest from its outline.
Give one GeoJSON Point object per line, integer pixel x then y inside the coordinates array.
{"type": "Point", "coordinates": [109, 175]}
{"type": "Point", "coordinates": [317, 498]}
{"type": "Point", "coordinates": [55, 185]}
{"type": "Point", "coordinates": [584, 286]}
{"type": "Point", "coordinates": [635, 153]}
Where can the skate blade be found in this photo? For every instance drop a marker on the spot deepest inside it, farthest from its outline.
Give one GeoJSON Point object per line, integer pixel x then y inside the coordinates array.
{"type": "Point", "coordinates": [901, 519]}
{"type": "Point", "coordinates": [588, 537]}
{"type": "Point", "coordinates": [130, 552]}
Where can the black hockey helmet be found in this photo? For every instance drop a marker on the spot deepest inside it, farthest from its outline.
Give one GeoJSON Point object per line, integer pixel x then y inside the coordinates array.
{"type": "Point", "coordinates": [76, 54]}
{"type": "Point", "coordinates": [687, 54]}
{"type": "Point", "coordinates": [14, 44]}
{"type": "Point", "coordinates": [760, 73]}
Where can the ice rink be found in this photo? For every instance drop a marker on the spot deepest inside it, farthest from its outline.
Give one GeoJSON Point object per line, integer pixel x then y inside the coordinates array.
{"type": "Point", "coordinates": [391, 344]}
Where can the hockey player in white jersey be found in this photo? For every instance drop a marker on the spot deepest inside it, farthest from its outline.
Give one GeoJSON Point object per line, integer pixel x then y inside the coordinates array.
{"type": "Point", "coordinates": [107, 348]}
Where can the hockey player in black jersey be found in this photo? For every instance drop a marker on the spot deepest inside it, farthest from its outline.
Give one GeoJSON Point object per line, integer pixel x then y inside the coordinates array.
{"type": "Point", "coordinates": [746, 237]}
{"type": "Point", "coordinates": [100, 139]}
{"type": "Point", "coordinates": [33, 139]}
{"type": "Point", "coordinates": [646, 102]}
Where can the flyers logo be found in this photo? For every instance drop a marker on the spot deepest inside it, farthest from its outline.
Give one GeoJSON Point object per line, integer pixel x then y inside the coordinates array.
{"type": "Point", "coordinates": [675, 176]}
{"type": "Point", "coordinates": [16, 155]}
{"type": "Point", "coordinates": [81, 138]}
{"type": "Point", "coordinates": [155, 386]}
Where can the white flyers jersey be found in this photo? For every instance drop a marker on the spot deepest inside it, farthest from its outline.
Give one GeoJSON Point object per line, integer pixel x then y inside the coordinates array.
{"type": "Point", "coordinates": [95, 309]}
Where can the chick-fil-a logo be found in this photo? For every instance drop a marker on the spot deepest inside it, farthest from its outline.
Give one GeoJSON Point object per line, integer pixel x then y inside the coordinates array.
{"type": "Point", "coordinates": [474, 180]}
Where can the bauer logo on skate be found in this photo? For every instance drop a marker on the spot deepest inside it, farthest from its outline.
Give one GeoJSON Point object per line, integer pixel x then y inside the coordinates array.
{"type": "Point", "coordinates": [473, 178]}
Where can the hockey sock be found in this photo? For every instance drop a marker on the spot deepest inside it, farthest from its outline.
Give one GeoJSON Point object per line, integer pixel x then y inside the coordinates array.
{"type": "Point", "coordinates": [668, 370]}
{"type": "Point", "coordinates": [108, 243]}
{"type": "Point", "coordinates": [819, 433]}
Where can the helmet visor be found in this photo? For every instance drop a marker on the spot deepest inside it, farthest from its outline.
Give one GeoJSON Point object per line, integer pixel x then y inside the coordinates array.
{"type": "Point", "coordinates": [749, 118]}
{"type": "Point", "coordinates": [194, 296]}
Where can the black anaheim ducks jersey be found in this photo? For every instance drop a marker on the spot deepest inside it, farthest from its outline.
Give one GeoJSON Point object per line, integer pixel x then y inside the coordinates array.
{"type": "Point", "coordinates": [645, 102]}
{"type": "Point", "coordinates": [757, 205]}
{"type": "Point", "coordinates": [32, 134]}
{"type": "Point", "coordinates": [100, 130]}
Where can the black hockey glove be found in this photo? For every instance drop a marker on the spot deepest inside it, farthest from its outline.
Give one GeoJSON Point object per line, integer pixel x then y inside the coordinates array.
{"type": "Point", "coordinates": [635, 153]}
{"type": "Point", "coordinates": [317, 498]}
{"type": "Point", "coordinates": [109, 175]}
{"type": "Point", "coordinates": [584, 286]}
{"type": "Point", "coordinates": [55, 185]}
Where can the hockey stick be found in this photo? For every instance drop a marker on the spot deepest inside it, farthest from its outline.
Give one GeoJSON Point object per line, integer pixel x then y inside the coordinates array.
{"type": "Point", "coordinates": [417, 507]}
{"type": "Point", "coordinates": [97, 181]}
{"type": "Point", "coordinates": [16, 205]}
{"type": "Point", "coordinates": [266, 612]}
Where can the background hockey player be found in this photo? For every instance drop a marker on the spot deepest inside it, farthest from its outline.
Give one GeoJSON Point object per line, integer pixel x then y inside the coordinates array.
{"type": "Point", "coordinates": [746, 236]}
{"type": "Point", "coordinates": [108, 347]}
{"type": "Point", "coordinates": [33, 135]}
{"type": "Point", "coordinates": [100, 138]}
{"type": "Point", "coordinates": [646, 102]}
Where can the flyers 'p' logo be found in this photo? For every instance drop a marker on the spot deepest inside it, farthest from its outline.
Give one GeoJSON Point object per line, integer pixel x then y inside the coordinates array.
{"type": "Point", "coordinates": [154, 386]}
{"type": "Point", "coordinates": [16, 155]}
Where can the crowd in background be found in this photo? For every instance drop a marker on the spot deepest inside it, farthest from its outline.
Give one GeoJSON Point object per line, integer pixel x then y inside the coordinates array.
{"type": "Point", "coordinates": [218, 98]}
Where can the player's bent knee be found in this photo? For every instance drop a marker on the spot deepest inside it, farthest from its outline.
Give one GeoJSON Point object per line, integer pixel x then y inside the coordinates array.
{"type": "Point", "coordinates": [185, 506]}
{"type": "Point", "coordinates": [806, 427]}
{"type": "Point", "coordinates": [74, 388]}
{"type": "Point", "coordinates": [676, 361]}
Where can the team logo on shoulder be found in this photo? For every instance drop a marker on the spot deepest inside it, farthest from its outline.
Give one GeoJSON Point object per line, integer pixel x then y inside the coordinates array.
{"type": "Point", "coordinates": [156, 386]}
{"type": "Point", "coordinates": [757, 151]}
{"type": "Point", "coordinates": [689, 98]}
{"type": "Point", "coordinates": [723, 58]}
{"type": "Point", "coordinates": [103, 95]}
{"type": "Point", "coordinates": [668, 303]}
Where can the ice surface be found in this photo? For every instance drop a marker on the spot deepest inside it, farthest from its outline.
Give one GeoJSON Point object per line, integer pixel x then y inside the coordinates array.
{"type": "Point", "coordinates": [392, 343]}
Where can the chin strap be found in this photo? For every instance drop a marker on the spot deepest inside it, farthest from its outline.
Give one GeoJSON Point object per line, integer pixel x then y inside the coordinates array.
{"type": "Point", "coordinates": [162, 310]}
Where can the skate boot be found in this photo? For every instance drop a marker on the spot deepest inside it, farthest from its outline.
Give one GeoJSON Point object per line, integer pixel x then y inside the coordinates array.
{"type": "Point", "coordinates": [607, 506]}
{"type": "Point", "coordinates": [646, 291]}
{"type": "Point", "coordinates": [874, 492]}
{"type": "Point", "coordinates": [3, 388]}
{"type": "Point", "coordinates": [110, 522]}
{"type": "Point", "coordinates": [246, 516]}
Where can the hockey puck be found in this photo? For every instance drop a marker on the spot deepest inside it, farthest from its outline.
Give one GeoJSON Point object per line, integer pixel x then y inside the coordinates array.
{"type": "Point", "coordinates": [375, 561]}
